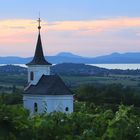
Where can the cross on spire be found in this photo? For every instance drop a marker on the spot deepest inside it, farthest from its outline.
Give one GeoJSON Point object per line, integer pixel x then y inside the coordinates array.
{"type": "Point", "coordinates": [39, 26]}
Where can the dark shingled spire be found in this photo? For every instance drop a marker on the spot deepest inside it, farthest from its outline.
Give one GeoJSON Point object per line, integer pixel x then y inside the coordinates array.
{"type": "Point", "coordinates": [39, 58]}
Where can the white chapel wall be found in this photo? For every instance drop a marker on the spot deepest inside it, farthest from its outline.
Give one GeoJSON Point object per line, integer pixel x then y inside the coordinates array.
{"type": "Point", "coordinates": [49, 103]}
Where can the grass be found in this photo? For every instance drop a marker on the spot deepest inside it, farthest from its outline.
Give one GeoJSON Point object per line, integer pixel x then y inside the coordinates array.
{"type": "Point", "coordinates": [9, 80]}
{"type": "Point", "coordinates": [125, 80]}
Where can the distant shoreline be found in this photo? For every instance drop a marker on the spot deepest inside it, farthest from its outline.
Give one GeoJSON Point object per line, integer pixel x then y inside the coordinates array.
{"type": "Point", "coordinates": [118, 66]}
{"type": "Point", "coordinates": [107, 66]}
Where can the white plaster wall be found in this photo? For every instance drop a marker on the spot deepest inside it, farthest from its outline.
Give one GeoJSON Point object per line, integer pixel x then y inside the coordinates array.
{"type": "Point", "coordinates": [52, 103]}
{"type": "Point", "coordinates": [38, 71]}
{"type": "Point", "coordinates": [59, 103]}
{"type": "Point", "coordinates": [29, 103]}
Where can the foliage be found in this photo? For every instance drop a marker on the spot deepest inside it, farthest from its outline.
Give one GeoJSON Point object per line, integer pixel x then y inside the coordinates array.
{"type": "Point", "coordinates": [88, 122]}
{"type": "Point", "coordinates": [12, 98]}
{"type": "Point", "coordinates": [99, 115]}
{"type": "Point", "coordinates": [110, 94]}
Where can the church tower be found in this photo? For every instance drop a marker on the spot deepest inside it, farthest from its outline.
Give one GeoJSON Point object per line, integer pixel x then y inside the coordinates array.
{"type": "Point", "coordinates": [45, 92]}
{"type": "Point", "coordinates": [38, 66]}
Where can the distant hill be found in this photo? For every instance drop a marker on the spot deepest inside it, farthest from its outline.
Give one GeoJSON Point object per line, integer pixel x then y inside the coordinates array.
{"type": "Point", "coordinates": [118, 58]}
{"type": "Point", "coordinates": [67, 54]}
{"type": "Point", "coordinates": [65, 57]}
{"type": "Point", "coordinates": [12, 69]}
{"type": "Point", "coordinates": [71, 69]}
{"type": "Point", "coordinates": [14, 60]}
{"type": "Point", "coordinates": [87, 70]}
{"type": "Point", "coordinates": [78, 69]}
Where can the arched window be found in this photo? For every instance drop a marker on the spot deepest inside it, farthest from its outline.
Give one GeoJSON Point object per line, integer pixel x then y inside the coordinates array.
{"type": "Point", "coordinates": [35, 107]}
{"type": "Point", "coordinates": [31, 75]}
{"type": "Point", "coordinates": [66, 109]}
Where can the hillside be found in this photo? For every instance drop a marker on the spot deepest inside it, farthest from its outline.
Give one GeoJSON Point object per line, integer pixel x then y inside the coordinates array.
{"type": "Point", "coordinates": [78, 69]}
{"type": "Point", "coordinates": [12, 69]}
{"type": "Point", "coordinates": [71, 69]}
{"type": "Point", "coordinates": [73, 75]}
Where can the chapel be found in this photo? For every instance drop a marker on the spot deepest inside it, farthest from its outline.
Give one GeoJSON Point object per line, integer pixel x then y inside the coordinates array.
{"type": "Point", "coordinates": [45, 92]}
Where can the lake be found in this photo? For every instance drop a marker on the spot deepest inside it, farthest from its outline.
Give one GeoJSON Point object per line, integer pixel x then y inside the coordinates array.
{"type": "Point", "coordinates": [118, 66]}
{"type": "Point", "coordinates": [108, 66]}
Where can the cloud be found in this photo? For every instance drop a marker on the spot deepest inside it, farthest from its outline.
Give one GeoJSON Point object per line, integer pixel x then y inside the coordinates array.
{"type": "Point", "coordinates": [17, 27]}
{"type": "Point", "coordinates": [93, 37]}
{"type": "Point", "coordinates": [96, 25]}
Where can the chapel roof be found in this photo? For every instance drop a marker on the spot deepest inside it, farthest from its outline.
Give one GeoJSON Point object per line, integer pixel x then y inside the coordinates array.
{"type": "Point", "coordinates": [48, 85]}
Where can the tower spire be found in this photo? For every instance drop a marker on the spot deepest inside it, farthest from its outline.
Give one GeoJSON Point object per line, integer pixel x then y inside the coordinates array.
{"type": "Point", "coordinates": [39, 58]}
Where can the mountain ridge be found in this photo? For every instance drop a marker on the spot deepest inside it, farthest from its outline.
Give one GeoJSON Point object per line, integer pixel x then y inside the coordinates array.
{"type": "Point", "coordinates": [66, 57]}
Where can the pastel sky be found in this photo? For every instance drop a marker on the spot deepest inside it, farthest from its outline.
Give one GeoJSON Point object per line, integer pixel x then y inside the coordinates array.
{"type": "Point", "coordinates": [84, 27]}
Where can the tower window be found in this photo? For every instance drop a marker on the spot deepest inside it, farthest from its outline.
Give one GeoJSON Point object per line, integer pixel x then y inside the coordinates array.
{"type": "Point", "coordinates": [31, 75]}
{"type": "Point", "coordinates": [35, 107]}
{"type": "Point", "coordinates": [66, 109]}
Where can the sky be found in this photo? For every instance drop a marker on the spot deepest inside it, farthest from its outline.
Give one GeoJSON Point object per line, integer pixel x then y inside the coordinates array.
{"type": "Point", "coordinates": [84, 27]}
